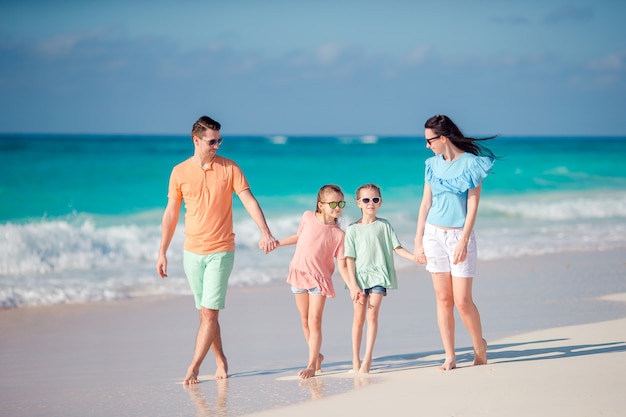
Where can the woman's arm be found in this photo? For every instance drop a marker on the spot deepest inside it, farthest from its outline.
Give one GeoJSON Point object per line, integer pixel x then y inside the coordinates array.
{"type": "Point", "coordinates": [473, 197]}
{"type": "Point", "coordinates": [427, 201]}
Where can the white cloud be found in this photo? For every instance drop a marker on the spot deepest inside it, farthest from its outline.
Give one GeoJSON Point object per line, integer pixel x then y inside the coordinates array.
{"type": "Point", "coordinates": [418, 55]}
{"type": "Point", "coordinates": [64, 44]}
{"type": "Point", "coordinates": [613, 62]}
{"type": "Point", "coordinates": [329, 54]}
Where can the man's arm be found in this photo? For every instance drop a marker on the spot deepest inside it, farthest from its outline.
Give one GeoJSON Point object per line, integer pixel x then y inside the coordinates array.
{"type": "Point", "coordinates": [267, 243]}
{"type": "Point", "coordinates": [168, 227]}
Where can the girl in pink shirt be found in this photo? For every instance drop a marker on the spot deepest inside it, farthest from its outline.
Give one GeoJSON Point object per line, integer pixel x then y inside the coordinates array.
{"type": "Point", "coordinates": [319, 242]}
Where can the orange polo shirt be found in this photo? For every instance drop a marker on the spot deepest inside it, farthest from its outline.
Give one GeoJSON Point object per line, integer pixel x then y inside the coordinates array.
{"type": "Point", "coordinates": [208, 198]}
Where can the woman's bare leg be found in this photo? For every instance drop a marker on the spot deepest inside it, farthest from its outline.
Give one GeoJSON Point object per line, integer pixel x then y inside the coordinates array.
{"type": "Point", "coordinates": [470, 316]}
{"type": "Point", "coordinates": [442, 284]}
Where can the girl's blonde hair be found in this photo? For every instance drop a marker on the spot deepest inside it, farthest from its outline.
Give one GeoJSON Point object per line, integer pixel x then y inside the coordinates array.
{"type": "Point", "coordinates": [370, 186]}
{"type": "Point", "coordinates": [320, 195]}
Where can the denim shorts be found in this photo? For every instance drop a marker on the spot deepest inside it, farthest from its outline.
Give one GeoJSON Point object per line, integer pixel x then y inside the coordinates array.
{"type": "Point", "coordinates": [439, 245]}
{"type": "Point", "coordinates": [312, 291]}
{"type": "Point", "coordinates": [208, 277]}
{"type": "Point", "coordinates": [377, 289]}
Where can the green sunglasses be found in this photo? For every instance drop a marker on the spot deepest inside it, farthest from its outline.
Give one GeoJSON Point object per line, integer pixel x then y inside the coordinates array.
{"type": "Point", "coordinates": [334, 204]}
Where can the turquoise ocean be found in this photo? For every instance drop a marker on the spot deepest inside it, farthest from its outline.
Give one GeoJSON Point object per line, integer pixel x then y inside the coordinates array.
{"type": "Point", "coordinates": [80, 214]}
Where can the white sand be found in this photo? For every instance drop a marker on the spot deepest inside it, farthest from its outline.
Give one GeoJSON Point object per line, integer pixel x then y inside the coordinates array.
{"type": "Point", "coordinates": [556, 327]}
{"type": "Point", "coordinates": [567, 371]}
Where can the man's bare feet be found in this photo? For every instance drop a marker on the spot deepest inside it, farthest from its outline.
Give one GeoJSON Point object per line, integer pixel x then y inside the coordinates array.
{"type": "Point", "coordinates": [192, 377]}
{"type": "Point", "coordinates": [448, 365]}
{"type": "Point", "coordinates": [221, 372]}
{"type": "Point", "coordinates": [480, 355]}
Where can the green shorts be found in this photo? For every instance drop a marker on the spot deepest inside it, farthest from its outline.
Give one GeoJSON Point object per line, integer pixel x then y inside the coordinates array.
{"type": "Point", "coordinates": [208, 277]}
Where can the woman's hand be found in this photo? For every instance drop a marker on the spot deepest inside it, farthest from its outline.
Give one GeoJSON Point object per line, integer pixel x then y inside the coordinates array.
{"type": "Point", "coordinates": [418, 254]}
{"type": "Point", "coordinates": [460, 252]}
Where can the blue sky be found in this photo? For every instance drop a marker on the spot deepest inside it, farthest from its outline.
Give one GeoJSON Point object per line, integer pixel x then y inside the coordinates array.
{"type": "Point", "coordinates": [533, 67]}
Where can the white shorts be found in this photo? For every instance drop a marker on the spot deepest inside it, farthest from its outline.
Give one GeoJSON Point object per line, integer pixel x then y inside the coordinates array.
{"type": "Point", "coordinates": [439, 245]}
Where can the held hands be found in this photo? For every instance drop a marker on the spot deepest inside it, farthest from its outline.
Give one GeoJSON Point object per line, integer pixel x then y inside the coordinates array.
{"type": "Point", "coordinates": [268, 243]}
{"type": "Point", "coordinates": [418, 254]}
{"type": "Point", "coordinates": [357, 295]}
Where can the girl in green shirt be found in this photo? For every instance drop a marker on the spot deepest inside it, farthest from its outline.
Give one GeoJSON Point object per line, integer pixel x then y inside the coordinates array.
{"type": "Point", "coordinates": [369, 246]}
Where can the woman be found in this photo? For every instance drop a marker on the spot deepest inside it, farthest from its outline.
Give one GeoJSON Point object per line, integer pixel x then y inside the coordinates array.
{"type": "Point", "coordinates": [444, 238]}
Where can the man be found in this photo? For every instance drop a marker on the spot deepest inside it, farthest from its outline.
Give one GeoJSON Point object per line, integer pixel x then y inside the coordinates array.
{"type": "Point", "coordinates": [206, 183]}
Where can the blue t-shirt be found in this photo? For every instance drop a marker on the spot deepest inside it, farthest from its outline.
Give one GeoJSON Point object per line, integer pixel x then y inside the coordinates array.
{"type": "Point", "coordinates": [449, 182]}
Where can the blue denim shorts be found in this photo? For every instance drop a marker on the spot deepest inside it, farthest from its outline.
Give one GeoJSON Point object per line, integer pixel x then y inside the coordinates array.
{"type": "Point", "coordinates": [377, 289]}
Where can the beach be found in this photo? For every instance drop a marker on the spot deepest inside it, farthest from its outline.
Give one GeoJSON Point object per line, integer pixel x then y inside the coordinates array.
{"type": "Point", "coordinates": [556, 327]}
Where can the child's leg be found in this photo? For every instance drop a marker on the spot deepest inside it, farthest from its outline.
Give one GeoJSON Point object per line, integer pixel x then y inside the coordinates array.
{"type": "Point", "coordinates": [316, 310]}
{"type": "Point", "coordinates": [302, 303]}
{"type": "Point", "coordinates": [375, 300]}
{"type": "Point", "coordinates": [357, 333]}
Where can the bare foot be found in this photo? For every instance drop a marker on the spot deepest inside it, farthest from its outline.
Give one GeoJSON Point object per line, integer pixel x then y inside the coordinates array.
{"type": "Point", "coordinates": [356, 365]}
{"type": "Point", "coordinates": [480, 355]}
{"type": "Point", "coordinates": [318, 366]}
{"type": "Point", "coordinates": [192, 377]}
{"type": "Point", "coordinates": [365, 367]}
{"type": "Point", "coordinates": [306, 373]}
{"type": "Point", "coordinates": [221, 372]}
{"type": "Point", "coordinates": [448, 365]}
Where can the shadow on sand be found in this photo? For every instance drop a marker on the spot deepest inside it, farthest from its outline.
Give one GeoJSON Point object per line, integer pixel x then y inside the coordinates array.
{"type": "Point", "coordinates": [501, 353]}
{"type": "Point", "coordinates": [232, 396]}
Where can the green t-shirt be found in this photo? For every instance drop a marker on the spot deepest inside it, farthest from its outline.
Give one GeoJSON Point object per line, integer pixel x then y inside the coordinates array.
{"type": "Point", "coordinates": [372, 246]}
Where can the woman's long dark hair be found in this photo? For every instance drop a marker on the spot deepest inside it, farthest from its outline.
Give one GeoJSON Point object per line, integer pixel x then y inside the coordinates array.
{"type": "Point", "coordinates": [444, 126]}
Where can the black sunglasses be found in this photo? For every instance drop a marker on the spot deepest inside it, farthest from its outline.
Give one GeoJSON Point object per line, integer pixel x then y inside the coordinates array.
{"type": "Point", "coordinates": [212, 142]}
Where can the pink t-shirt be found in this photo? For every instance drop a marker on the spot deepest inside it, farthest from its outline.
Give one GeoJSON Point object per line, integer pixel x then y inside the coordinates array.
{"type": "Point", "coordinates": [313, 262]}
{"type": "Point", "coordinates": [208, 198]}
